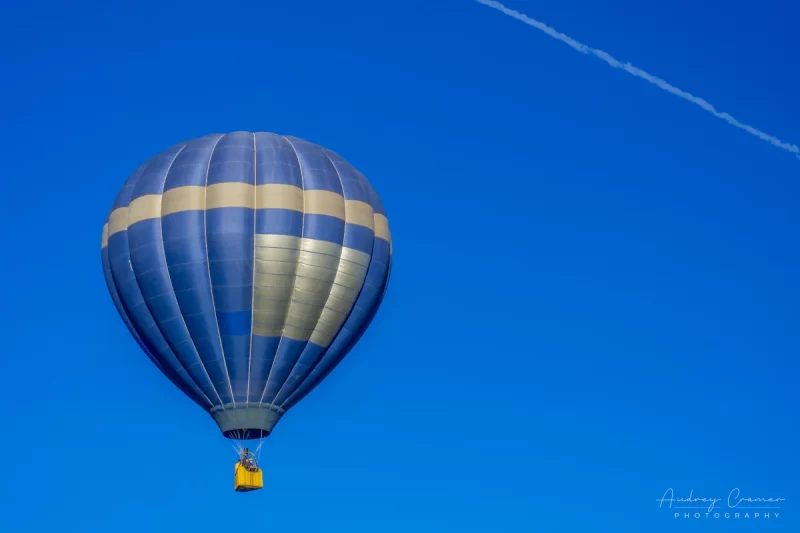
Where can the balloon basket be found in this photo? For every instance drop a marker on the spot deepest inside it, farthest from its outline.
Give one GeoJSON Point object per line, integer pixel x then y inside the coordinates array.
{"type": "Point", "coordinates": [245, 480]}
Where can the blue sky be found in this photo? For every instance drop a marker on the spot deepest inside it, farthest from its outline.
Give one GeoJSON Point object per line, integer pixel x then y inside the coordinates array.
{"type": "Point", "coordinates": [594, 293]}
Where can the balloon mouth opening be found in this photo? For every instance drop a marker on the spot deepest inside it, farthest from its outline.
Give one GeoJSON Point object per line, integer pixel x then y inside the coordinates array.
{"type": "Point", "coordinates": [246, 434]}
{"type": "Point", "coordinates": [246, 423]}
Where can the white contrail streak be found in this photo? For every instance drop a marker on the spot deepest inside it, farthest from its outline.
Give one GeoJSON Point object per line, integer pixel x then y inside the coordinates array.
{"type": "Point", "coordinates": [639, 73]}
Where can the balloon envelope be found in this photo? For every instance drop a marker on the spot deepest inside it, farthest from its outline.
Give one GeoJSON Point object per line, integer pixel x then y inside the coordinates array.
{"type": "Point", "coordinates": [246, 266]}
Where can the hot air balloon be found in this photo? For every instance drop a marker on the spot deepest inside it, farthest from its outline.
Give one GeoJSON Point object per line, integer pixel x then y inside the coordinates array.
{"type": "Point", "coordinates": [246, 266]}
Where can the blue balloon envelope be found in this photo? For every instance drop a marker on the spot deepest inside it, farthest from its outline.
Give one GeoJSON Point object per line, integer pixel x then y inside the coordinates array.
{"type": "Point", "coordinates": [246, 266]}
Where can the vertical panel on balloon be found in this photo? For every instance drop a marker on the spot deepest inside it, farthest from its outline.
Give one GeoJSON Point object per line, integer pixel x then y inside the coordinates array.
{"type": "Point", "coordinates": [317, 267]}
{"type": "Point", "coordinates": [347, 285]}
{"type": "Point", "coordinates": [230, 256]}
{"type": "Point", "coordinates": [276, 162]}
{"type": "Point", "coordinates": [276, 260]}
{"type": "Point", "coordinates": [230, 229]}
{"type": "Point", "coordinates": [186, 258]}
{"type": "Point", "coordinates": [318, 173]}
{"type": "Point", "coordinates": [131, 296]}
{"type": "Point", "coordinates": [191, 165]}
{"type": "Point", "coordinates": [351, 269]}
{"type": "Point", "coordinates": [150, 267]}
{"type": "Point", "coordinates": [123, 313]}
{"type": "Point", "coordinates": [184, 239]}
{"type": "Point", "coordinates": [279, 227]}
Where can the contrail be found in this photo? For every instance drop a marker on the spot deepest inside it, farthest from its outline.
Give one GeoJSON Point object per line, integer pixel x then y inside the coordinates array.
{"type": "Point", "coordinates": [639, 73]}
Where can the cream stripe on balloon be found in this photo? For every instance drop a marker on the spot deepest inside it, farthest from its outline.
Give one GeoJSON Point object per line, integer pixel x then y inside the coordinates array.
{"type": "Point", "coordinates": [189, 198]}
{"type": "Point", "coordinates": [118, 220]}
{"type": "Point", "coordinates": [324, 203]}
{"type": "Point", "coordinates": [358, 212]}
{"type": "Point", "coordinates": [382, 227]}
{"type": "Point", "coordinates": [231, 194]}
{"type": "Point", "coordinates": [144, 208]}
{"type": "Point", "coordinates": [277, 196]}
